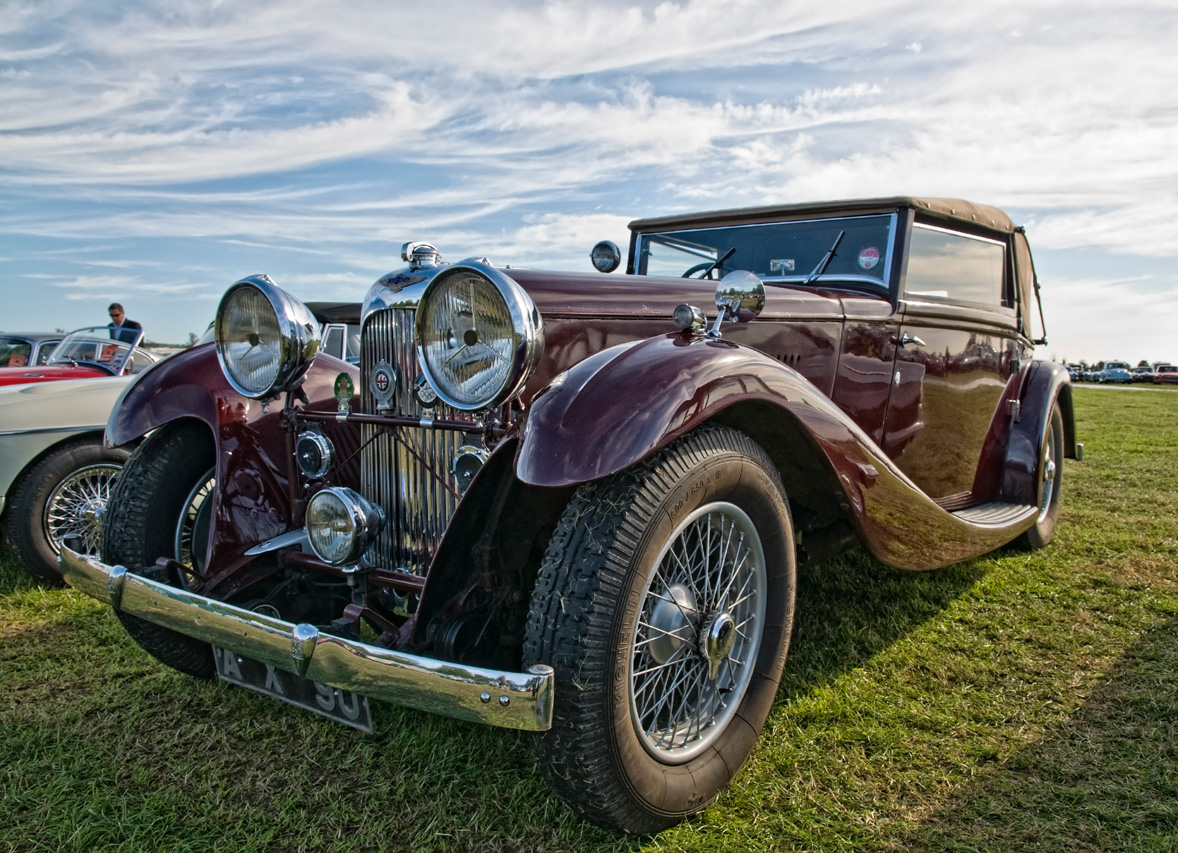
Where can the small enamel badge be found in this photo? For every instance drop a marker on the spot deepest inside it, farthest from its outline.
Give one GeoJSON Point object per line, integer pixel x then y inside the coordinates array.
{"type": "Point", "coordinates": [425, 393]}
{"type": "Point", "coordinates": [383, 384]}
{"type": "Point", "coordinates": [344, 390]}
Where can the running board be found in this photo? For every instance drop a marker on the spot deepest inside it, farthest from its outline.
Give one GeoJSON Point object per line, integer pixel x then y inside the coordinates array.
{"type": "Point", "coordinates": [996, 514]}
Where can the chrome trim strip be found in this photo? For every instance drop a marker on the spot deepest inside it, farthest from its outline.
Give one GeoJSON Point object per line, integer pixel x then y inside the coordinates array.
{"type": "Point", "coordinates": [515, 700]}
{"type": "Point", "coordinates": [51, 429]}
{"type": "Point", "coordinates": [286, 540]}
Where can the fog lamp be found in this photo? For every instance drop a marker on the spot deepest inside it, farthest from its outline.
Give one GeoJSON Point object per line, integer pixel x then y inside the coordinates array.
{"type": "Point", "coordinates": [341, 525]}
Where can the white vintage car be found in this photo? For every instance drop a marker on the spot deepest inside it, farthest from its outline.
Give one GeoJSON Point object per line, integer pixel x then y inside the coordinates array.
{"type": "Point", "coordinates": [55, 473]}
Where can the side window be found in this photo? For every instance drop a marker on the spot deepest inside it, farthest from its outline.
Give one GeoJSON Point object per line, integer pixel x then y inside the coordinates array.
{"type": "Point", "coordinates": [333, 341]}
{"type": "Point", "coordinates": [956, 267]}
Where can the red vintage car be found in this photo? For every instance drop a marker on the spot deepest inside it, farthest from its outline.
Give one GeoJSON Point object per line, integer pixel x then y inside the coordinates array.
{"type": "Point", "coordinates": [1165, 374]}
{"type": "Point", "coordinates": [575, 504]}
{"type": "Point", "coordinates": [85, 353]}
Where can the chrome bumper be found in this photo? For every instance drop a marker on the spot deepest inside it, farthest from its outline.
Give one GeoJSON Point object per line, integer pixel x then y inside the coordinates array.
{"type": "Point", "coordinates": [514, 700]}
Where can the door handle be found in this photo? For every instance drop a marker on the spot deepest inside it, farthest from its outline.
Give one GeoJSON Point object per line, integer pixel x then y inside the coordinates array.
{"type": "Point", "coordinates": [906, 339]}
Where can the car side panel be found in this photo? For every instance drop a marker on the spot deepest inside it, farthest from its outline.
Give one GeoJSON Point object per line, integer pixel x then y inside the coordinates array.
{"type": "Point", "coordinates": [574, 433]}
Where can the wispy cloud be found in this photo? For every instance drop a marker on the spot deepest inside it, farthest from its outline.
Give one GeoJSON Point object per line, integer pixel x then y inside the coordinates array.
{"type": "Point", "coordinates": [327, 133]}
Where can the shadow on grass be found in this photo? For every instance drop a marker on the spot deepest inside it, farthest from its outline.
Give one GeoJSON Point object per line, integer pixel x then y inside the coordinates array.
{"type": "Point", "coordinates": [853, 607]}
{"type": "Point", "coordinates": [1105, 780]}
{"type": "Point", "coordinates": [106, 749]}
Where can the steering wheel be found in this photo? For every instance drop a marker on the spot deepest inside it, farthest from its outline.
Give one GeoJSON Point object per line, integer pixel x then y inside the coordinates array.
{"type": "Point", "coordinates": [706, 265]}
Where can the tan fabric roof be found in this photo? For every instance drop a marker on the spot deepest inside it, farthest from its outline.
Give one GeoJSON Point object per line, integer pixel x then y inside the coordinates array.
{"type": "Point", "coordinates": [944, 208]}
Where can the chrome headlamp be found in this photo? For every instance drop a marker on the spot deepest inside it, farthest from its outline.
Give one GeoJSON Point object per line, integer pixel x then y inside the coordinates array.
{"type": "Point", "coordinates": [479, 336]}
{"type": "Point", "coordinates": [341, 525]}
{"type": "Point", "coordinates": [265, 337]}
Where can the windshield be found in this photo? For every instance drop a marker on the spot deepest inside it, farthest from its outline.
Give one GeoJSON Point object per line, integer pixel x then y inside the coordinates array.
{"type": "Point", "coordinates": [777, 251]}
{"type": "Point", "coordinates": [92, 346]}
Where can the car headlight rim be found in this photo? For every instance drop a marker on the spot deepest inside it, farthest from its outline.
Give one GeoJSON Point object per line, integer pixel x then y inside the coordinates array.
{"type": "Point", "coordinates": [259, 322]}
{"type": "Point", "coordinates": [516, 345]}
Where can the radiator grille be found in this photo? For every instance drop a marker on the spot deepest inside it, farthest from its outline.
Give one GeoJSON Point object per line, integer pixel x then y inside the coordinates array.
{"type": "Point", "coordinates": [406, 470]}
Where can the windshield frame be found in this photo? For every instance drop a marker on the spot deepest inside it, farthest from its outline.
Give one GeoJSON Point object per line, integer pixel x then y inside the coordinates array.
{"type": "Point", "coordinates": [115, 352]}
{"type": "Point", "coordinates": [685, 240]}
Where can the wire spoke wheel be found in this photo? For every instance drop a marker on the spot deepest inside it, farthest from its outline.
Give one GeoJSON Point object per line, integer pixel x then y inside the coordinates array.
{"type": "Point", "coordinates": [698, 632]}
{"type": "Point", "coordinates": [77, 505]}
{"type": "Point", "coordinates": [664, 605]}
{"type": "Point", "coordinates": [192, 527]}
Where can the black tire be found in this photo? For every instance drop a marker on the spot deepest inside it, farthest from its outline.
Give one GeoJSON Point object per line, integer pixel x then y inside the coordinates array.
{"type": "Point", "coordinates": [1050, 481]}
{"type": "Point", "coordinates": [151, 504]}
{"type": "Point", "coordinates": [613, 618]}
{"type": "Point", "coordinates": [64, 494]}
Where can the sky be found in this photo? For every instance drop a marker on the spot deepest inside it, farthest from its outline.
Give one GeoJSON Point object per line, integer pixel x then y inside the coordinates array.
{"type": "Point", "coordinates": [152, 153]}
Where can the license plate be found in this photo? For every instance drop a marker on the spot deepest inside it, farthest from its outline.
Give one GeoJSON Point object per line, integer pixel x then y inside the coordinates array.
{"type": "Point", "coordinates": [342, 706]}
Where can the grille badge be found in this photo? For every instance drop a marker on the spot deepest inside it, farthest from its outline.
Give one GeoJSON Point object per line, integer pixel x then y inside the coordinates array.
{"type": "Point", "coordinates": [382, 382]}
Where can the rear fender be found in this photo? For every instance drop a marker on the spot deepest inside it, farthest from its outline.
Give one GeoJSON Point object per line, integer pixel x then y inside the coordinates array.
{"type": "Point", "coordinates": [1045, 385]}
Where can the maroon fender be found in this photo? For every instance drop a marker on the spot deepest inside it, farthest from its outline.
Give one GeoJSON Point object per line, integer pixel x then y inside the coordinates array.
{"type": "Point", "coordinates": [253, 457]}
{"type": "Point", "coordinates": [1045, 385]}
{"type": "Point", "coordinates": [623, 404]}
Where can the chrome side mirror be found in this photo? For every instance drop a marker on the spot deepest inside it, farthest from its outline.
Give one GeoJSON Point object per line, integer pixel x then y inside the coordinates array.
{"type": "Point", "coordinates": [740, 296]}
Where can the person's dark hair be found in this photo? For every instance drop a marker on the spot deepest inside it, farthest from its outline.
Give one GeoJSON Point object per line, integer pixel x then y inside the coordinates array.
{"type": "Point", "coordinates": [115, 306]}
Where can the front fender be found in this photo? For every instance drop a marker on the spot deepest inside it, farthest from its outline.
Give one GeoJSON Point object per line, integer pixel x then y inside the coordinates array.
{"type": "Point", "coordinates": [190, 384]}
{"type": "Point", "coordinates": [621, 405]}
{"type": "Point", "coordinates": [254, 468]}
{"type": "Point", "coordinates": [618, 407]}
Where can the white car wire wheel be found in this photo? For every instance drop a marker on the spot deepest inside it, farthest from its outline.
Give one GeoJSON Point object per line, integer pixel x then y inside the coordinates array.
{"type": "Point", "coordinates": [64, 494]}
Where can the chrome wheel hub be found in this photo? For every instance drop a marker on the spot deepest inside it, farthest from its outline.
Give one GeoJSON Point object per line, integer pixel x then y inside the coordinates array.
{"type": "Point", "coordinates": [1047, 486]}
{"type": "Point", "coordinates": [716, 642]}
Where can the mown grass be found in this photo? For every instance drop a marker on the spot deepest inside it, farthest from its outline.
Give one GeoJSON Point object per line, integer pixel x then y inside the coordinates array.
{"type": "Point", "coordinates": [1015, 702]}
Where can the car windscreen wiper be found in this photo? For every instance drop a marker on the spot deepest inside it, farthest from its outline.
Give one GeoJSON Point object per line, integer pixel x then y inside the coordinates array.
{"type": "Point", "coordinates": [821, 268]}
{"type": "Point", "coordinates": [718, 262]}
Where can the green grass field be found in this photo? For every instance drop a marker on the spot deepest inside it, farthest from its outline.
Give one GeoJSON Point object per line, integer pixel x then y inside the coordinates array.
{"type": "Point", "coordinates": [1015, 702]}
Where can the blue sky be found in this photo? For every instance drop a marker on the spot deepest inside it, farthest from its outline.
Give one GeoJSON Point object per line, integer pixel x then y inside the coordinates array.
{"type": "Point", "coordinates": [153, 153]}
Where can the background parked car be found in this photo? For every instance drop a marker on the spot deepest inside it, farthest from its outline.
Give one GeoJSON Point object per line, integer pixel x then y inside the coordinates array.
{"type": "Point", "coordinates": [55, 473]}
{"type": "Point", "coordinates": [1115, 371]}
{"type": "Point", "coordinates": [1143, 373]}
{"type": "Point", "coordinates": [86, 353]}
{"type": "Point", "coordinates": [1166, 374]}
{"type": "Point", "coordinates": [25, 349]}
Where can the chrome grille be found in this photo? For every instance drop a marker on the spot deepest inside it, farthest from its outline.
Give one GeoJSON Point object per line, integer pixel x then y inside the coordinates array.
{"type": "Point", "coordinates": [406, 470]}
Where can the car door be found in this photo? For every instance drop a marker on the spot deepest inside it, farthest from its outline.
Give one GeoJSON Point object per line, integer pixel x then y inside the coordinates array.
{"type": "Point", "coordinates": [957, 349]}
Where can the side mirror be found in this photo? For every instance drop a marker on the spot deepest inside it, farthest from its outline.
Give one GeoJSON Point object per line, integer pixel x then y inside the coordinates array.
{"type": "Point", "coordinates": [740, 295]}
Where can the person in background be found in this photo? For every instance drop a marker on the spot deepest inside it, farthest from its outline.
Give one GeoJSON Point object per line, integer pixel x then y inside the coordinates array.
{"type": "Point", "coordinates": [122, 329]}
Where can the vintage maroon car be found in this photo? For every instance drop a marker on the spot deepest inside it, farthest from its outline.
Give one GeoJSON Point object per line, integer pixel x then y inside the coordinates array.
{"type": "Point", "coordinates": [571, 503]}
{"type": "Point", "coordinates": [85, 353]}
